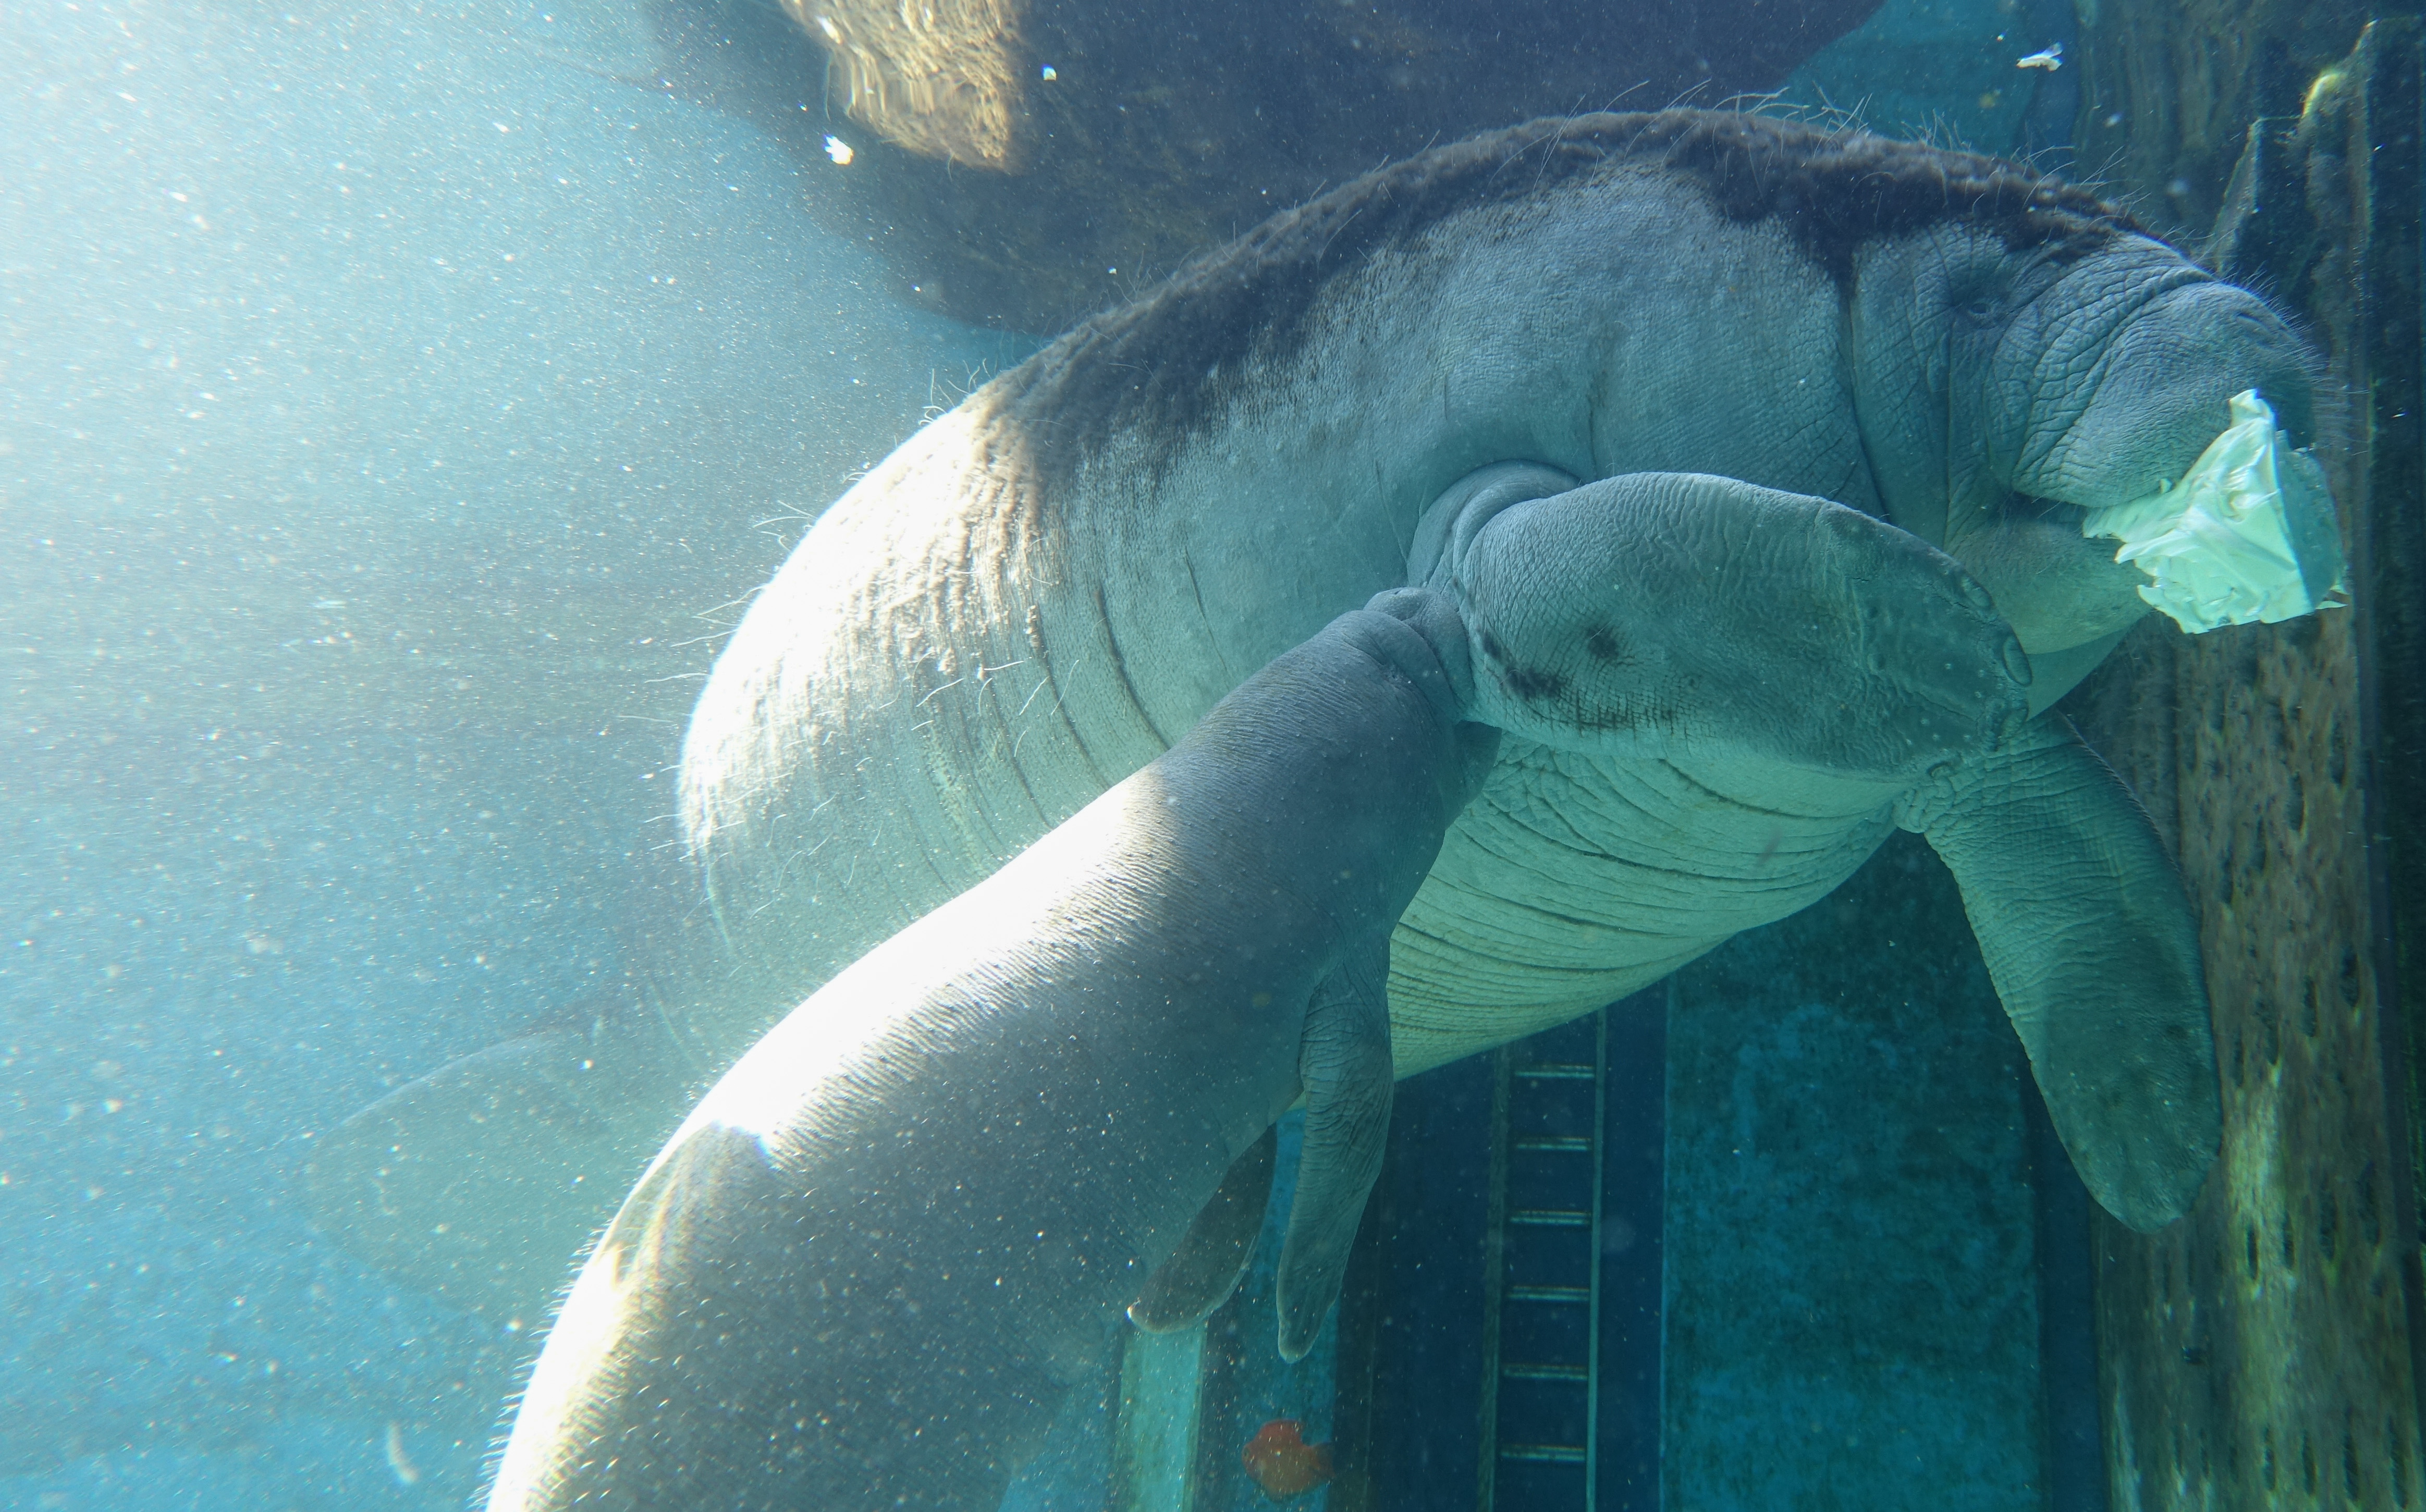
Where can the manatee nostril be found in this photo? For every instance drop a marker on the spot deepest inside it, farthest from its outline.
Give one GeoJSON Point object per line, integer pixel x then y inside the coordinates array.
{"type": "Point", "coordinates": [2018, 661]}
{"type": "Point", "coordinates": [1976, 596]}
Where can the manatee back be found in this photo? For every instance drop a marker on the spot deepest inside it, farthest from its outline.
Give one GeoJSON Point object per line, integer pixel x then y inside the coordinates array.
{"type": "Point", "coordinates": [1042, 590]}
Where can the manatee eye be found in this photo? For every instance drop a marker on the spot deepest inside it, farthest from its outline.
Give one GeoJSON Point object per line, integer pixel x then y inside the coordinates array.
{"type": "Point", "coordinates": [1981, 311]}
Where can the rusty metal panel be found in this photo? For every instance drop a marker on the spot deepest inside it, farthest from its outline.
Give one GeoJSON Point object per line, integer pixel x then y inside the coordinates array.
{"type": "Point", "coordinates": [2260, 1353]}
{"type": "Point", "coordinates": [2255, 1355]}
{"type": "Point", "coordinates": [2389, 560]}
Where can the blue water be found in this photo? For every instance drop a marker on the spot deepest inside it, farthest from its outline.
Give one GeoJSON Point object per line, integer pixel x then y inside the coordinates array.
{"type": "Point", "coordinates": [393, 396]}
{"type": "Point", "coordinates": [1943, 71]}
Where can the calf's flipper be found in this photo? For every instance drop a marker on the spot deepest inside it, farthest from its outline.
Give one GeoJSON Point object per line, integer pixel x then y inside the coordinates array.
{"type": "Point", "coordinates": [1202, 1272]}
{"type": "Point", "coordinates": [1345, 1065]}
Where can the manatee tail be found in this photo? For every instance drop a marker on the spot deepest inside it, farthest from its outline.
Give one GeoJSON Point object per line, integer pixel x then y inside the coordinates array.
{"type": "Point", "coordinates": [2093, 947]}
{"type": "Point", "coordinates": [481, 1181]}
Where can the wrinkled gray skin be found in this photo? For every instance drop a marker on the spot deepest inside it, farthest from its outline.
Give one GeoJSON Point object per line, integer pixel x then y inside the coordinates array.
{"type": "Point", "coordinates": [979, 639]}
{"type": "Point", "coordinates": [866, 1268]}
{"type": "Point", "coordinates": [1871, 693]}
{"type": "Point", "coordinates": [1992, 390]}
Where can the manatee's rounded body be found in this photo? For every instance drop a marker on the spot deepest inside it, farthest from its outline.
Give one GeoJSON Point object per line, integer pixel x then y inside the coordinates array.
{"type": "Point", "coordinates": [1032, 597]}
{"type": "Point", "coordinates": [863, 1272]}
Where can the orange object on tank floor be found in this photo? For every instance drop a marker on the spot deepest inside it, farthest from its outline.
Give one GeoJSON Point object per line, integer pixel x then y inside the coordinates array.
{"type": "Point", "coordinates": [1283, 1463]}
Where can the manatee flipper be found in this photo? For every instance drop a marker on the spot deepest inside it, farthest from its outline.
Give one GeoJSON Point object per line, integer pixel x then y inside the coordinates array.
{"type": "Point", "coordinates": [1344, 1062]}
{"type": "Point", "coordinates": [1665, 613]}
{"type": "Point", "coordinates": [1202, 1272]}
{"type": "Point", "coordinates": [478, 1181]}
{"type": "Point", "coordinates": [2093, 948]}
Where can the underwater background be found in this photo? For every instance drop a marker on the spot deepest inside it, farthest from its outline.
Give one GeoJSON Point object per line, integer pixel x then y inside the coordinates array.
{"type": "Point", "coordinates": [396, 405]}
{"type": "Point", "coordinates": [391, 404]}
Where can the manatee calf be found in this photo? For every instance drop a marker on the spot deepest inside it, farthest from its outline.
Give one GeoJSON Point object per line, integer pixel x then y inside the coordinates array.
{"type": "Point", "coordinates": [1037, 593]}
{"type": "Point", "coordinates": [865, 1269]}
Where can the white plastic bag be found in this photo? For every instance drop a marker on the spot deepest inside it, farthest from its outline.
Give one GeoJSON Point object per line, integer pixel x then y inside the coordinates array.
{"type": "Point", "coordinates": [2246, 536]}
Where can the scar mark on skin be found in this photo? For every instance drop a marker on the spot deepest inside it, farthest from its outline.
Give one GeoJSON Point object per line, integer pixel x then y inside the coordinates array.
{"type": "Point", "coordinates": [1120, 669]}
{"type": "Point", "coordinates": [1533, 685]}
{"type": "Point", "coordinates": [1529, 683]}
{"type": "Point", "coordinates": [1045, 659]}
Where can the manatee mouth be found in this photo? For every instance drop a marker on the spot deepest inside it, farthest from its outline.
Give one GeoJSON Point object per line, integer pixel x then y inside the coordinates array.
{"type": "Point", "coordinates": [2056, 587]}
{"type": "Point", "coordinates": [2014, 510]}
{"type": "Point", "coordinates": [2039, 509]}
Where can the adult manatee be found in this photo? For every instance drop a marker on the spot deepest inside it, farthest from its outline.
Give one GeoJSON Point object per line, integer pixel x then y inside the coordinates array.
{"type": "Point", "coordinates": [866, 1268]}
{"type": "Point", "coordinates": [1034, 595]}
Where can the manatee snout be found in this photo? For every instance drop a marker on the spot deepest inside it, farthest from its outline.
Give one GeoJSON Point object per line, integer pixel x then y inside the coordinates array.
{"type": "Point", "coordinates": [1418, 633]}
{"type": "Point", "coordinates": [2104, 432]}
{"type": "Point", "coordinates": [1662, 613]}
{"type": "Point", "coordinates": [1443, 665]}
{"type": "Point", "coordinates": [2098, 411]}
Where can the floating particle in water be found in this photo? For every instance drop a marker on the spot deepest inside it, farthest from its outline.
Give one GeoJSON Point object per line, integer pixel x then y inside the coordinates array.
{"type": "Point", "coordinates": [2049, 57]}
{"type": "Point", "coordinates": [1050, 73]}
{"type": "Point", "coordinates": [839, 150]}
{"type": "Point", "coordinates": [399, 1462]}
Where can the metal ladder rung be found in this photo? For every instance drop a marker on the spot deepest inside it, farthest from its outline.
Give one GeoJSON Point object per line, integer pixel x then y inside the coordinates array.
{"type": "Point", "coordinates": [1551, 1217]}
{"type": "Point", "coordinates": [1545, 1454]}
{"type": "Point", "coordinates": [1573, 1295]}
{"type": "Point", "coordinates": [1577, 1374]}
{"type": "Point", "coordinates": [1529, 1098]}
